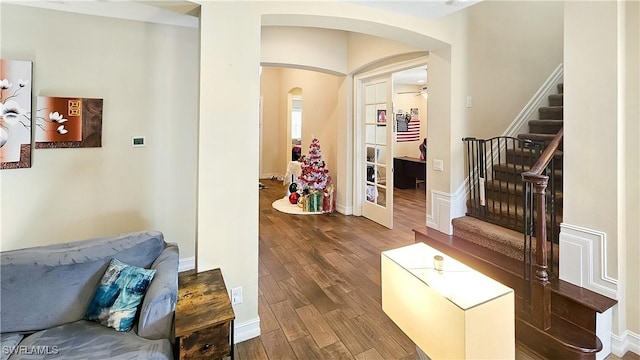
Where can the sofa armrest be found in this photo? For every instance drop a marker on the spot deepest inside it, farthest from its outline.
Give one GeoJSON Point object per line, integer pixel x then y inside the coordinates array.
{"type": "Point", "coordinates": [159, 304]}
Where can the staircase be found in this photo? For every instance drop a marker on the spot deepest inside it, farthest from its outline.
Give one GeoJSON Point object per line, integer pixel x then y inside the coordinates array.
{"type": "Point", "coordinates": [554, 319]}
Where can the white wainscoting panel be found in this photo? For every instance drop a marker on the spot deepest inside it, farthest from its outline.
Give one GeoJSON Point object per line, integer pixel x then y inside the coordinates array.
{"type": "Point", "coordinates": [583, 259]}
{"type": "Point", "coordinates": [446, 207]}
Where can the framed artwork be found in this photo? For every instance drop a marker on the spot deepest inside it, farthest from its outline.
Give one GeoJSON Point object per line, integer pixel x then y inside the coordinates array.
{"type": "Point", "coordinates": [15, 114]}
{"type": "Point", "coordinates": [382, 118]}
{"type": "Point", "coordinates": [410, 128]}
{"type": "Point", "coordinates": [68, 123]}
{"type": "Point", "coordinates": [402, 124]}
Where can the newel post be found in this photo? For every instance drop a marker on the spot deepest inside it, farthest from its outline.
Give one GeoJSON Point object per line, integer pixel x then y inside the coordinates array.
{"type": "Point", "coordinates": [539, 191]}
{"type": "Point", "coordinates": [540, 292]}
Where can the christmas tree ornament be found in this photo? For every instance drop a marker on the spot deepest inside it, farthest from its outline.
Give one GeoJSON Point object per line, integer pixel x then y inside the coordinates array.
{"type": "Point", "coordinates": [294, 197]}
{"type": "Point", "coordinates": [293, 187]}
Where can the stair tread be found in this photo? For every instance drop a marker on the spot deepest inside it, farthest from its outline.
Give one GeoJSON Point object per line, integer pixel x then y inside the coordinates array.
{"type": "Point", "coordinates": [461, 249]}
{"type": "Point", "coordinates": [589, 299]}
{"type": "Point", "coordinates": [562, 331]}
{"type": "Point", "coordinates": [548, 122]}
{"type": "Point", "coordinates": [536, 136]}
{"type": "Point", "coordinates": [572, 337]}
{"type": "Point", "coordinates": [455, 246]}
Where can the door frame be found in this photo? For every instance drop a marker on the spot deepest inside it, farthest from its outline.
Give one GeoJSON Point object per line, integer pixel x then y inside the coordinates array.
{"type": "Point", "coordinates": [358, 124]}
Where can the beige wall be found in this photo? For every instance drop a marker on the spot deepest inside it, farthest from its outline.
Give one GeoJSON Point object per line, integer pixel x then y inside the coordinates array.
{"type": "Point", "coordinates": [632, 152]}
{"type": "Point", "coordinates": [303, 47]}
{"type": "Point", "coordinates": [147, 76]}
{"type": "Point", "coordinates": [227, 230]}
{"type": "Point", "coordinates": [406, 102]}
{"type": "Point", "coordinates": [365, 50]}
{"type": "Point", "coordinates": [601, 124]}
{"type": "Point", "coordinates": [319, 101]}
{"type": "Point", "coordinates": [319, 115]}
{"type": "Point", "coordinates": [274, 122]}
{"type": "Point", "coordinates": [513, 48]}
{"type": "Point", "coordinates": [584, 124]}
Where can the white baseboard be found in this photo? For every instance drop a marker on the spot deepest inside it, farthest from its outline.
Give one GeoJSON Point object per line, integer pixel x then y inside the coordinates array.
{"type": "Point", "coordinates": [187, 264]}
{"type": "Point", "coordinates": [271, 175]}
{"type": "Point", "coordinates": [246, 330]}
{"type": "Point", "coordinates": [344, 210]}
{"type": "Point", "coordinates": [446, 207]}
{"type": "Point", "coordinates": [583, 259]}
{"type": "Point", "coordinates": [629, 341]}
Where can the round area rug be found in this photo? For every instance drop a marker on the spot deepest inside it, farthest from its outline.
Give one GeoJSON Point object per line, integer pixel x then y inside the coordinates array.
{"type": "Point", "coordinates": [285, 206]}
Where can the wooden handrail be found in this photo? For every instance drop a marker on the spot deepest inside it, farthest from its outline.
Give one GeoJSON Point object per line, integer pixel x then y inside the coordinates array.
{"type": "Point", "coordinates": [536, 171]}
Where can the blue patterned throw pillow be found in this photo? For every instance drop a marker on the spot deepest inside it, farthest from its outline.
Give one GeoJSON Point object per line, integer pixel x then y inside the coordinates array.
{"type": "Point", "coordinates": [121, 290]}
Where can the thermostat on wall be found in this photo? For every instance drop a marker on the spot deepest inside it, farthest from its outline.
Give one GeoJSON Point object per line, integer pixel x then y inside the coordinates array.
{"type": "Point", "coordinates": [137, 141]}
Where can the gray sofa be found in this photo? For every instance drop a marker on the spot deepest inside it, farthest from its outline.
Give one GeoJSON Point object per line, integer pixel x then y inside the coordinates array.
{"type": "Point", "coordinates": [45, 292]}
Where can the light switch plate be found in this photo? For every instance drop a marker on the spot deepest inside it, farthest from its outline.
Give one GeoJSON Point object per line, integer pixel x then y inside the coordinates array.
{"type": "Point", "coordinates": [438, 165]}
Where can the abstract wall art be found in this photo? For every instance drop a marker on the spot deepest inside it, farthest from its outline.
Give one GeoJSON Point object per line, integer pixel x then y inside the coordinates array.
{"type": "Point", "coordinates": [15, 114]}
{"type": "Point", "coordinates": [65, 122]}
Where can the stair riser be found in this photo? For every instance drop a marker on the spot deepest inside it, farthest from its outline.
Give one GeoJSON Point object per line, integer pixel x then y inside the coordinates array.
{"type": "Point", "coordinates": [516, 177]}
{"type": "Point", "coordinates": [509, 197]}
{"type": "Point", "coordinates": [556, 100]}
{"type": "Point", "coordinates": [512, 220]}
{"type": "Point", "coordinates": [546, 345]}
{"type": "Point", "coordinates": [519, 158]}
{"type": "Point", "coordinates": [501, 248]}
{"type": "Point", "coordinates": [550, 113]}
{"type": "Point", "coordinates": [580, 316]}
{"type": "Point", "coordinates": [538, 128]}
{"type": "Point", "coordinates": [543, 139]}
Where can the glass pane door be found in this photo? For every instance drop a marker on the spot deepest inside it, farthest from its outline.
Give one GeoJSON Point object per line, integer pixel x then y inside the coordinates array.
{"type": "Point", "coordinates": [377, 204]}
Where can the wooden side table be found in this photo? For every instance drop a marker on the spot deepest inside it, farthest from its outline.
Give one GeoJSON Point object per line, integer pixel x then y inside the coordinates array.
{"type": "Point", "coordinates": [204, 317]}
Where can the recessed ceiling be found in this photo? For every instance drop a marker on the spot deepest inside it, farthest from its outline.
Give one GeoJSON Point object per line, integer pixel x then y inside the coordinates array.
{"type": "Point", "coordinates": [415, 76]}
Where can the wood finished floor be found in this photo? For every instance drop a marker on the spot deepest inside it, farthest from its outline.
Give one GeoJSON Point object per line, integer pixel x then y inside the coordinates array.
{"type": "Point", "coordinates": [319, 283]}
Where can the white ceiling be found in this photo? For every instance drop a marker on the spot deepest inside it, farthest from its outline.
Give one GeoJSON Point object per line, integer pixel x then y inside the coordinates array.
{"type": "Point", "coordinates": [416, 76]}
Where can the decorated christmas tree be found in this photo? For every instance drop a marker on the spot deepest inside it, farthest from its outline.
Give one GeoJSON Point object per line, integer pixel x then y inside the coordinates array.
{"type": "Point", "coordinates": [314, 175]}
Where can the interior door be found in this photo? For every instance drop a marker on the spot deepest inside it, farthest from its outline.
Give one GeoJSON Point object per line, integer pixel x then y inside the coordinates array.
{"type": "Point", "coordinates": [377, 199]}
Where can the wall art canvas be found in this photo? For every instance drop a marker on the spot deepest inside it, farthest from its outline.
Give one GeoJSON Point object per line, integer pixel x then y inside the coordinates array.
{"type": "Point", "coordinates": [410, 130]}
{"type": "Point", "coordinates": [65, 122]}
{"type": "Point", "coordinates": [15, 114]}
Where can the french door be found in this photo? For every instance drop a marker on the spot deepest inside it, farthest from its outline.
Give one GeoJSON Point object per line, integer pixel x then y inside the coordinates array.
{"type": "Point", "coordinates": [377, 125]}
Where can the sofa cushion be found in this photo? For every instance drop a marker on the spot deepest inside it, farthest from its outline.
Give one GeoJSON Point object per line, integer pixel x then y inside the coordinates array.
{"type": "Point", "coordinates": [47, 286]}
{"type": "Point", "coordinates": [121, 290]}
{"type": "Point", "coordinates": [10, 342]}
{"type": "Point", "coordinates": [89, 340]}
{"type": "Point", "coordinates": [159, 304]}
